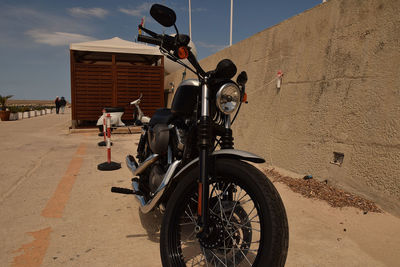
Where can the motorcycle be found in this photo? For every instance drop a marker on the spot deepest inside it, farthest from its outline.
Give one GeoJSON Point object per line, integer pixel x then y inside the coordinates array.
{"type": "Point", "coordinates": [218, 209]}
{"type": "Point", "coordinates": [116, 114]}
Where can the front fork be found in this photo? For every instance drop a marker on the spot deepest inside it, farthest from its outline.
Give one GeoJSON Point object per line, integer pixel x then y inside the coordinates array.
{"type": "Point", "coordinates": [205, 137]}
{"type": "Point", "coordinates": [204, 143]}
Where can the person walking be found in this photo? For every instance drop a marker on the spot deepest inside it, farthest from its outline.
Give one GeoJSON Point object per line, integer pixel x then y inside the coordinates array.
{"type": "Point", "coordinates": [57, 102]}
{"type": "Point", "coordinates": [63, 103]}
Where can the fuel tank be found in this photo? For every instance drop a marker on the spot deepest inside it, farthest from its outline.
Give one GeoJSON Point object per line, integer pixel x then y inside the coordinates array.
{"type": "Point", "coordinates": [185, 98]}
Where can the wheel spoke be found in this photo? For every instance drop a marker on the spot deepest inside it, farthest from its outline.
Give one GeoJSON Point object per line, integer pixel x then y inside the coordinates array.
{"type": "Point", "coordinates": [244, 255]}
{"type": "Point", "coordinates": [216, 257]}
{"type": "Point", "coordinates": [246, 227]}
{"type": "Point", "coordinates": [232, 211]}
{"type": "Point", "coordinates": [234, 206]}
{"type": "Point", "coordinates": [205, 256]}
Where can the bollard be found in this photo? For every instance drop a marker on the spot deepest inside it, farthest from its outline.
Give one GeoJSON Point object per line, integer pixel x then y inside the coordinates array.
{"type": "Point", "coordinates": [109, 165]}
{"type": "Point", "coordinates": [104, 143]}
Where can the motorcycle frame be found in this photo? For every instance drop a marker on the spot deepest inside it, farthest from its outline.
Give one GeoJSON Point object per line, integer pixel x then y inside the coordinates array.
{"type": "Point", "coordinates": [204, 126]}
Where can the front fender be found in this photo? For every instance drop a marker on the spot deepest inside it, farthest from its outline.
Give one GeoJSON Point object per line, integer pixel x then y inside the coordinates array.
{"type": "Point", "coordinates": [223, 153]}
{"type": "Point", "coordinates": [168, 186]}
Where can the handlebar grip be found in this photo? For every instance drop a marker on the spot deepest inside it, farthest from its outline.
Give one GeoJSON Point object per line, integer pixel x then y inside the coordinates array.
{"type": "Point", "coordinates": [149, 40]}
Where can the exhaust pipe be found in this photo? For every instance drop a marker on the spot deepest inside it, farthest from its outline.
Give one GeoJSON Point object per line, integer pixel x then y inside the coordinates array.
{"type": "Point", "coordinates": [138, 169]}
{"type": "Point", "coordinates": [139, 197]}
{"type": "Point", "coordinates": [146, 207]}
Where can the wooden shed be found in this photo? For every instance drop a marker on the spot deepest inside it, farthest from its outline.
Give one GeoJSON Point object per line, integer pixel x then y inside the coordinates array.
{"type": "Point", "coordinates": [112, 73]}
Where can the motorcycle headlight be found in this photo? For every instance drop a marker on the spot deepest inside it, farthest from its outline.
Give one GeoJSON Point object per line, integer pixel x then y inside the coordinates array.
{"type": "Point", "coordinates": [228, 98]}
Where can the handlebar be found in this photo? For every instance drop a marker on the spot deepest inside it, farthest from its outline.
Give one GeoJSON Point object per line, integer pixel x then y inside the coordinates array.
{"type": "Point", "coordinates": [170, 43]}
{"type": "Point", "coordinates": [149, 40]}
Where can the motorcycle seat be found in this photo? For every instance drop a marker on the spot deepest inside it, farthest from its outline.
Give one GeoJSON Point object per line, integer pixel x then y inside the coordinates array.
{"type": "Point", "coordinates": [114, 109]}
{"type": "Point", "coordinates": [161, 116]}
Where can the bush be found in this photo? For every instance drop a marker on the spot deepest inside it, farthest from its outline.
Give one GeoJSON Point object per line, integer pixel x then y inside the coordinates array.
{"type": "Point", "coordinates": [15, 109]}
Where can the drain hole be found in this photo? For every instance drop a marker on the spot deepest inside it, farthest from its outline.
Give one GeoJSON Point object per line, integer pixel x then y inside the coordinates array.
{"type": "Point", "coordinates": [338, 158]}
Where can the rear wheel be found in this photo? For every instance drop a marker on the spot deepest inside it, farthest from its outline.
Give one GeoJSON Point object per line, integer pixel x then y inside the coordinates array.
{"type": "Point", "coordinates": [247, 222]}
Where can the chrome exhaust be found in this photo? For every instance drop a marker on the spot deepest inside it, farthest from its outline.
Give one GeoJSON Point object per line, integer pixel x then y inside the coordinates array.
{"type": "Point", "coordinates": [146, 207]}
{"type": "Point", "coordinates": [140, 198]}
{"type": "Point", "coordinates": [133, 166]}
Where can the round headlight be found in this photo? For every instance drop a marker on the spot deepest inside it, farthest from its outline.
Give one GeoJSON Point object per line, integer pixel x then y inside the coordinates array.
{"type": "Point", "coordinates": [228, 98]}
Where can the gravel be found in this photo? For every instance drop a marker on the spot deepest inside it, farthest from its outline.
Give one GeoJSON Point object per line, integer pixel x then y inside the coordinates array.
{"type": "Point", "coordinates": [312, 188]}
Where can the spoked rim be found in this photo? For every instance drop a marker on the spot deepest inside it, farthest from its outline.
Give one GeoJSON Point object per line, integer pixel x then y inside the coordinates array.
{"type": "Point", "coordinates": [235, 227]}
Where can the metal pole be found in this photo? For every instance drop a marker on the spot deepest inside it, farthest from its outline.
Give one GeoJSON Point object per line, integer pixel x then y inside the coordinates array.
{"type": "Point", "coordinates": [190, 19]}
{"type": "Point", "coordinates": [230, 35]}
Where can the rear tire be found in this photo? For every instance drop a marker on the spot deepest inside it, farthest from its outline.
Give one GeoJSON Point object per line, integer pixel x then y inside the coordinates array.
{"type": "Point", "coordinates": [250, 231]}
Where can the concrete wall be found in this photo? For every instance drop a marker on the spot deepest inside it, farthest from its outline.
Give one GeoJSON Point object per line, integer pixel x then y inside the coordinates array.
{"type": "Point", "coordinates": [340, 93]}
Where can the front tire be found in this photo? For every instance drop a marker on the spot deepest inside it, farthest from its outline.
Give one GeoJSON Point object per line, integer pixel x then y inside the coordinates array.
{"type": "Point", "coordinates": [248, 224]}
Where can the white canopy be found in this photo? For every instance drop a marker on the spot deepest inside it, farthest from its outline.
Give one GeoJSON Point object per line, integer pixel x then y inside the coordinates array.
{"type": "Point", "coordinates": [116, 45]}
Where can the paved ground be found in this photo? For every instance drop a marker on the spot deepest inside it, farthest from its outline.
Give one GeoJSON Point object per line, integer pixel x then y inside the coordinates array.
{"type": "Point", "coordinates": [57, 210]}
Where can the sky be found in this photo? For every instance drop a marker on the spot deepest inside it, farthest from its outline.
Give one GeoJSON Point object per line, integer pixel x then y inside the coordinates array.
{"type": "Point", "coordinates": [35, 34]}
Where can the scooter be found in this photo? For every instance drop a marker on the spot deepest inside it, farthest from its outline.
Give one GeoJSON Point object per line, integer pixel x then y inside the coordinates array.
{"type": "Point", "coordinates": [116, 114]}
{"type": "Point", "coordinates": [138, 116]}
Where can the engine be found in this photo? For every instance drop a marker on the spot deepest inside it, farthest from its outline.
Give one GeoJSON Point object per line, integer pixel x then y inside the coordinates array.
{"type": "Point", "coordinates": [155, 177]}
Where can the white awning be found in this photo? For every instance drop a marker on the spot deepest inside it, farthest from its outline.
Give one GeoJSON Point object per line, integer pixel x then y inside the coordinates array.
{"type": "Point", "coordinates": [116, 45]}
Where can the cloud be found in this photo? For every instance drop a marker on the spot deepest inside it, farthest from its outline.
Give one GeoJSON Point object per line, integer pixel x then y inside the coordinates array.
{"type": "Point", "coordinates": [212, 47]}
{"type": "Point", "coordinates": [88, 12]}
{"type": "Point", "coordinates": [57, 38]}
{"type": "Point", "coordinates": [21, 26]}
{"type": "Point", "coordinates": [14, 20]}
{"type": "Point", "coordinates": [139, 11]}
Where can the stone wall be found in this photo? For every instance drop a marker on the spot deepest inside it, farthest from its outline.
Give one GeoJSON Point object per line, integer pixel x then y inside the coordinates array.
{"type": "Point", "coordinates": [340, 94]}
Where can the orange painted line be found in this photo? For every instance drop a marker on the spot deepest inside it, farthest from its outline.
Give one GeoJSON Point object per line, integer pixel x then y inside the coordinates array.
{"type": "Point", "coordinates": [55, 206]}
{"type": "Point", "coordinates": [81, 150]}
{"type": "Point", "coordinates": [34, 252]}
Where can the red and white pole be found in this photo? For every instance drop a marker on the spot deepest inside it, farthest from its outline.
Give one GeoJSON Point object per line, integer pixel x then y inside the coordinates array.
{"type": "Point", "coordinates": [108, 138]}
{"type": "Point", "coordinates": [104, 128]}
{"type": "Point", "coordinates": [108, 165]}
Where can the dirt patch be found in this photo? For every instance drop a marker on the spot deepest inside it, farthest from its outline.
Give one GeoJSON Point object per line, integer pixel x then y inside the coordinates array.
{"type": "Point", "coordinates": [312, 188]}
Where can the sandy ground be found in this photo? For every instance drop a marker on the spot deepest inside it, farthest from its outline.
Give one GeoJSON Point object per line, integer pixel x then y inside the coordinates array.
{"type": "Point", "coordinates": [57, 210]}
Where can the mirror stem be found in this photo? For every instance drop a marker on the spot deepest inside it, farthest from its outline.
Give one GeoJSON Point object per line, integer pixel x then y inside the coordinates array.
{"type": "Point", "coordinates": [176, 29]}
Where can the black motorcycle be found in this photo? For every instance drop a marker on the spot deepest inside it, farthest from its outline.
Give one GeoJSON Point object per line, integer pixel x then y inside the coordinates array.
{"type": "Point", "coordinates": [219, 210]}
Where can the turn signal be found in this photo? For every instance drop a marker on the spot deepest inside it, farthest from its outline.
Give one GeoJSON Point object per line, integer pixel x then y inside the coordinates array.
{"type": "Point", "coordinates": [183, 52]}
{"type": "Point", "coordinates": [244, 99]}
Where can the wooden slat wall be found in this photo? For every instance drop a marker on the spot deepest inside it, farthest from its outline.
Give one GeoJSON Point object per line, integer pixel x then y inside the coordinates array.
{"type": "Point", "coordinates": [133, 80]}
{"type": "Point", "coordinates": [95, 86]}
{"type": "Point", "coordinates": [93, 90]}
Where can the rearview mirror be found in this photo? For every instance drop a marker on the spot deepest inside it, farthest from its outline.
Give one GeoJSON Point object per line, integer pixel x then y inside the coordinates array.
{"type": "Point", "coordinates": [242, 78]}
{"type": "Point", "coordinates": [226, 69]}
{"type": "Point", "coordinates": [163, 15]}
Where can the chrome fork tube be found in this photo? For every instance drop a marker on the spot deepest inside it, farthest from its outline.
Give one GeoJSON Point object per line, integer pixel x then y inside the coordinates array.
{"type": "Point", "coordinates": [205, 106]}
{"type": "Point", "coordinates": [204, 148]}
{"type": "Point", "coordinates": [227, 121]}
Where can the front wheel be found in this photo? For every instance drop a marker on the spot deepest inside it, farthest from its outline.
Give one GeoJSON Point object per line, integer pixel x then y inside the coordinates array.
{"type": "Point", "coordinates": [247, 222]}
